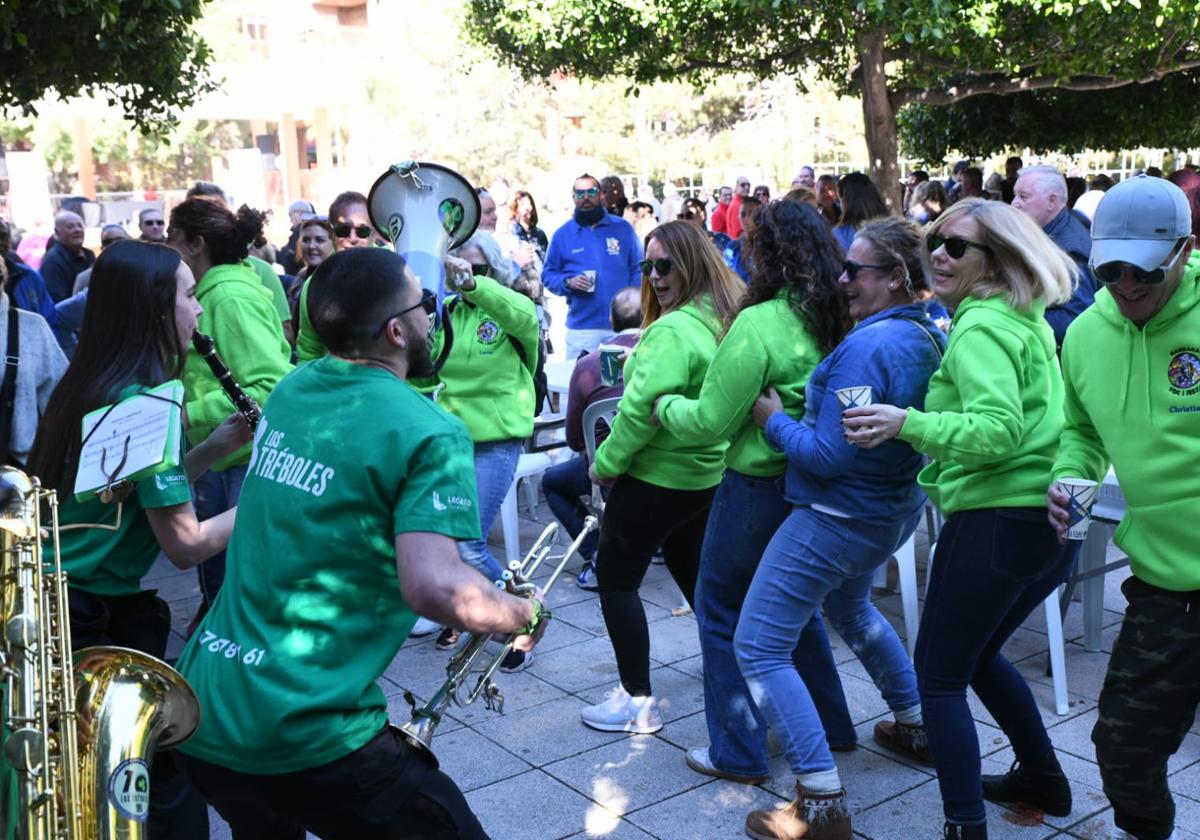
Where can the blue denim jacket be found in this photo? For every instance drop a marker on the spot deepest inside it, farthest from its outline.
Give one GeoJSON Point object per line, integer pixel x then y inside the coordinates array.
{"type": "Point", "coordinates": [895, 352]}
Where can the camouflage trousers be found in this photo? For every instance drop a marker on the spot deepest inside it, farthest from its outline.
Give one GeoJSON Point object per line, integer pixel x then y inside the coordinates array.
{"type": "Point", "coordinates": [1147, 705]}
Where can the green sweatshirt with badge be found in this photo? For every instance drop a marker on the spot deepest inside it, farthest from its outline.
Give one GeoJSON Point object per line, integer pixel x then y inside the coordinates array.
{"type": "Point", "coordinates": [671, 357]}
{"type": "Point", "coordinates": [767, 346]}
{"type": "Point", "coordinates": [485, 383]}
{"type": "Point", "coordinates": [241, 320]}
{"type": "Point", "coordinates": [1133, 398]}
{"type": "Point", "coordinates": [993, 414]}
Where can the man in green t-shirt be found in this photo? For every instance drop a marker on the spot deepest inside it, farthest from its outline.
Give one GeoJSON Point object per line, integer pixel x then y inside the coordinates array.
{"type": "Point", "coordinates": [356, 481]}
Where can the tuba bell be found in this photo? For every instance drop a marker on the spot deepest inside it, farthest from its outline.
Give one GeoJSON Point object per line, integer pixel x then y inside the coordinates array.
{"type": "Point", "coordinates": [78, 734]}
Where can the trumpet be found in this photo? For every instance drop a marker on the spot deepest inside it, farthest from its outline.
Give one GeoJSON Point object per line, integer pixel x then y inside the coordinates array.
{"type": "Point", "coordinates": [517, 580]}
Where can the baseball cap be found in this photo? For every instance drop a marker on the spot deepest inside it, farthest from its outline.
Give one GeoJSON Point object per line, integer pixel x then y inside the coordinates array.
{"type": "Point", "coordinates": [1139, 221]}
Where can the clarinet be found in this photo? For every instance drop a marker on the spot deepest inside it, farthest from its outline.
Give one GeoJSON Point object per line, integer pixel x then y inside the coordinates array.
{"type": "Point", "coordinates": [245, 404]}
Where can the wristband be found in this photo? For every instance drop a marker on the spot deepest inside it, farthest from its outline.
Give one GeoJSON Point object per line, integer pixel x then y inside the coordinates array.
{"type": "Point", "coordinates": [540, 615]}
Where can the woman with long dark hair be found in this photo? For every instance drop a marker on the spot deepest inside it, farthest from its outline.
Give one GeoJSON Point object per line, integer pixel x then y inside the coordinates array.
{"type": "Point", "coordinates": [850, 512]}
{"type": "Point", "coordinates": [137, 326]}
{"type": "Point", "coordinates": [239, 315]}
{"type": "Point", "coordinates": [662, 485]}
{"type": "Point", "coordinates": [861, 202]}
{"type": "Point", "coordinates": [525, 223]}
{"type": "Point", "coordinates": [792, 316]}
{"type": "Point", "coordinates": [991, 425]}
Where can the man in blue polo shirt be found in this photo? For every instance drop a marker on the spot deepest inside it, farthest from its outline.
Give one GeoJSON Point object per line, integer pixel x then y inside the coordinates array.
{"type": "Point", "coordinates": [590, 258]}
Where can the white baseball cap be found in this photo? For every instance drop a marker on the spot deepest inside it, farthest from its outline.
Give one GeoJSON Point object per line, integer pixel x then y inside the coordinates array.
{"type": "Point", "coordinates": [1139, 221]}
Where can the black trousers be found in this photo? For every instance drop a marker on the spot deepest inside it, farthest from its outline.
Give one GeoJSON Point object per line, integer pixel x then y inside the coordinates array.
{"type": "Point", "coordinates": [382, 790]}
{"type": "Point", "coordinates": [142, 622]}
{"type": "Point", "coordinates": [639, 517]}
{"type": "Point", "coordinates": [1147, 705]}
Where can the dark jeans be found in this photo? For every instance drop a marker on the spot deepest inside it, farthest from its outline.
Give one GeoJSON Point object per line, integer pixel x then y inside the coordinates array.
{"type": "Point", "coordinates": [216, 492]}
{"type": "Point", "coordinates": [1147, 705]}
{"type": "Point", "coordinates": [382, 790]}
{"type": "Point", "coordinates": [142, 622]}
{"type": "Point", "coordinates": [563, 485]}
{"type": "Point", "coordinates": [638, 518]}
{"type": "Point", "coordinates": [746, 512]}
{"type": "Point", "coordinates": [992, 568]}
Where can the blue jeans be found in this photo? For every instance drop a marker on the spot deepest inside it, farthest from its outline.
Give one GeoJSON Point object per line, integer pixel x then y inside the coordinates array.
{"type": "Point", "coordinates": [815, 558]}
{"type": "Point", "coordinates": [746, 512]}
{"type": "Point", "coordinates": [495, 466]}
{"type": "Point", "coordinates": [216, 492]}
{"type": "Point", "coordinates": [563, 485]}
{"type": "Point", "coordinates": [991, 570]}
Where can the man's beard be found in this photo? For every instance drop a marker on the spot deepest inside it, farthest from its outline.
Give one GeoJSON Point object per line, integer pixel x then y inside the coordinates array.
{"type": "Point", "coordinates": [420, 362]}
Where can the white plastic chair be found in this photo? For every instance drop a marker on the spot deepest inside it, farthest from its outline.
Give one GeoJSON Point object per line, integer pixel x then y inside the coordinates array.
{"type": "Point", "coordinates": [604, 410]}
{"type": "Point", "coordinates": [530, 467]}
{"type": "Point", "coordinates": [906, 564]}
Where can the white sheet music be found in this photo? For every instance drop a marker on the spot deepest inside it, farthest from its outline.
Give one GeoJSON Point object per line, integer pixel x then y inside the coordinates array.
{"type": "Point", "coordinates": [143, 430]}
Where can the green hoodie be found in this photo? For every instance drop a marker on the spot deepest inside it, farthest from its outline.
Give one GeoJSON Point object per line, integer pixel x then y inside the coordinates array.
{"type": "Point", "coordinates": [308, 346]}
{"type": "Point", "coordinates": [671, 357]}
{"type": "Point", "coordinates": [1133, 396]}
{"type": "Point", "coordinates": [994, 413]}
{"type": "Point", "coordinates": [766, 346]}
{"type": "Point", "coordinates": [486, 385]}
{"type": "Point", "coordinates": [242, 321]}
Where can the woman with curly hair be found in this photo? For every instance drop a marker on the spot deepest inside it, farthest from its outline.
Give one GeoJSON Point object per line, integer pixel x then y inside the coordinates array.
{"type": "Point", "coordinates": [851, 510]}
{"type": "Point", "coordinates": [792, 316]}
{"type": "Point", "coordinates": [662, 486]}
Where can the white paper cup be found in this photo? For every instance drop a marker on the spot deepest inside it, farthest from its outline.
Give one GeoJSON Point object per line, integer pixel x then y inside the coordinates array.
{"type": "Point", "coordinates": [854, 397]}
{"type": "Point", "coordinates": [610, 363]}
{"type": "Point", "coordinates": [1083, 495]}
{"type": "Point", "coordinates": [591, 278]}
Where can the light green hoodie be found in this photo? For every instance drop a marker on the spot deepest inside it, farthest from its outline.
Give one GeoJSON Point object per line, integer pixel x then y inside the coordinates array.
{"type": "Point", "coordinates": [766, 346]}
{"type": "Point", "coordinates": [671, 357]}
{"type": "Point", "coordinates": [1133, 396]}
{"type": "Point", "coordinates": [993, 414]}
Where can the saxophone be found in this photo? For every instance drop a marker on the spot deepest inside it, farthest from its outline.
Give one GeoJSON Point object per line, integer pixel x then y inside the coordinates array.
{"type": "Point", "coordinates": [78, 736]}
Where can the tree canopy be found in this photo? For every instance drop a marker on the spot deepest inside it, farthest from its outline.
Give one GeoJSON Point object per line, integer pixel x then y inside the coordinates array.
{"type": "Point", "coordinates": [141, 55]}
{"type": "Point", "coordinates": [933, 52]}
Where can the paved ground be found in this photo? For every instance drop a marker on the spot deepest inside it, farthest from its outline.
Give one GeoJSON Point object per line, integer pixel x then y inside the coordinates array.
{"type": "Point", "coordinates": [537, 772]}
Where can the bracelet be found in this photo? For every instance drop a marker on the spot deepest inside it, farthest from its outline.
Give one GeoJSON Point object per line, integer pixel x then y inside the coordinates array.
{"type": "Point", "coordinates": [540, 615]}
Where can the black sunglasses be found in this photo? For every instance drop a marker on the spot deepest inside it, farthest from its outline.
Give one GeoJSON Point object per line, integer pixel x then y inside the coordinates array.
{"type": "Point", "coordinates": [481, 270]}
{"type": "Point", "coordinates": [956, 246]}
{"type": "Point", "coordinates": [1111, 272]}
{"type": "Point", "coordinates": [662, 267]}
{"type": "Point", "coordinates": [104, 243]}
{"type": "Point", "coordinates": [154, 222]}
{"type": "Point", "coordinates": [689, 216]}
{"type": "Point", "coordinates": [428, 302]}
{"type": "Point", "coordinates": [342, 230]}
{"type": "Point", "coordinates": [852, 268]}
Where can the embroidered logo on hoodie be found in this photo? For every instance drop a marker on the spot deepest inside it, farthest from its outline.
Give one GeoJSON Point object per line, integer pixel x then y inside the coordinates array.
{"type": "Point", "coordinates": [1184, 371]}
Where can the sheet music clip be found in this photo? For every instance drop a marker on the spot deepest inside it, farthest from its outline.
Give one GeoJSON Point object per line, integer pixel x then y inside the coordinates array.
{"type": "Point", "coordinates": [114, 490]}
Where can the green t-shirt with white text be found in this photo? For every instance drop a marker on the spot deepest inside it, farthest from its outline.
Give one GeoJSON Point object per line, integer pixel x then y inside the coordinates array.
{"type": "Point", "coordinates": [345, 458]}
{"type": "Point", "coordinates": [104, 561]}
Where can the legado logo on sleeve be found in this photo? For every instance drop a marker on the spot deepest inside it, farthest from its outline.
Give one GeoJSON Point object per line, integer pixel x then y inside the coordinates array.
{"type": "Point", "coordinates": [456, 502]}
{"type": "Point", "coordinates": [275, 462]}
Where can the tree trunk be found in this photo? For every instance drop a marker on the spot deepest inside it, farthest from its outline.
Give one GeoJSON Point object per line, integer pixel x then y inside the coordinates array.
{"type": "Point", "coordinates": [879, 118]}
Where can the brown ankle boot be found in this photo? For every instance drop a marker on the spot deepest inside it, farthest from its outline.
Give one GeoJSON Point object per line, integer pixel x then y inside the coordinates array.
{"type": "Point", "coordinates": [811, 816]}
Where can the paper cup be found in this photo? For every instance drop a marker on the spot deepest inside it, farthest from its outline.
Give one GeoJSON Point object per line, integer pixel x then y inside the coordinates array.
{"type": "Point", "coordinates": [1083, 495]}
{"type": "Point", "coordinates": [591, 277]}
{"type": "Point", "coordinates": [610, 363]}
{"type": "Point", "coordinates": [855, 397]}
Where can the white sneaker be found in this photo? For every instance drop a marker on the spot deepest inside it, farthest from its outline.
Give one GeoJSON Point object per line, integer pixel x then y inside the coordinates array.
{"type": "Point", "coordinates": [424, 627]}
{"type": "Point", "coordinates": [622, 713]}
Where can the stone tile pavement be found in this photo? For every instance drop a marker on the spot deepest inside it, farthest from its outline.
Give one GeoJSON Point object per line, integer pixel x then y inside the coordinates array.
{"type": "Point", "coordinates": [537, 772]}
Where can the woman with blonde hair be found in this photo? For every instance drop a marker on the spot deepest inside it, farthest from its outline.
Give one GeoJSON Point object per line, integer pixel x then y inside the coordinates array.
{"type": "Point", "coordinates": [991, 426]}
{"type": "Point", "coordinates": [662, 485]}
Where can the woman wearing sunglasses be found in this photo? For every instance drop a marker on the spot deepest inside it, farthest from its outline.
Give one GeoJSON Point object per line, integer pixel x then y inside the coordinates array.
{"type": "Point", "coordinates": [242, 320]}
{"type": "Point", "coordinates": [792, 315]}
{"type": "Point", "coordinates": [662, 486]}
{"type": "Point", "coordinates": [487, 382]}
{"type": "Point", "coordinates": [991, 424]}
{"type": "Point", "coordinates": [850, 511]}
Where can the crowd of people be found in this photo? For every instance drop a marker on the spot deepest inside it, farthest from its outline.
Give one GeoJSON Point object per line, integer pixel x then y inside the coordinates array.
{"type": "Point", "coordinates": [800, 377]}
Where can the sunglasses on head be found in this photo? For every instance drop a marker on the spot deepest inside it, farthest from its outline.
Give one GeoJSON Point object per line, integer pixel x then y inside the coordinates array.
{"type": "Point", "coordinates": [1112, 272]}
{"type": "Point", "coordinates": [313, 217]}
{"type": "Point", "coordinates": [428, 302]}
{"type": "Point", "coordinates": [661, 267]}
{"type": "Point", "coordinates": [956, 246]}
{"type": "Point", "coordinates": [590, 192]}
{"type": "Point", "coordinates": [852, 268]}
{"type": "Point", "coordinates": [342, 230]}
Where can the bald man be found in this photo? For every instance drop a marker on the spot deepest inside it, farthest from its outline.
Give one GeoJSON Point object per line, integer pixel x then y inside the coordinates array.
{"type": "Point", "coordinates": [67, 258]}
